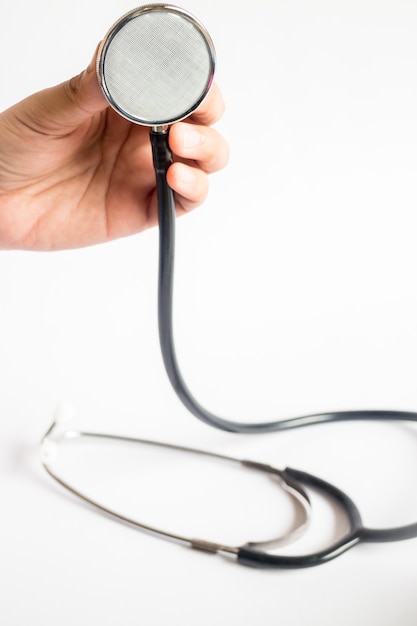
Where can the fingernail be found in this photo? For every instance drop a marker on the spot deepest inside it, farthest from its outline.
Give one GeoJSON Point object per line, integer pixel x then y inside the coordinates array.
{"type": "Point", "coordinates": [191, 137]}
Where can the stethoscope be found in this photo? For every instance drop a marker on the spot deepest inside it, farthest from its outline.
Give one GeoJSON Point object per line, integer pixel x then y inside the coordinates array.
{"type": "Point", "coordinates": [156, 66]}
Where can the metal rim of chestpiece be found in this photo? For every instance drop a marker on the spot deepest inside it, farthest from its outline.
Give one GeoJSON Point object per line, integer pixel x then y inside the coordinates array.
{"type": "Point", "coordinates": [156, 65]}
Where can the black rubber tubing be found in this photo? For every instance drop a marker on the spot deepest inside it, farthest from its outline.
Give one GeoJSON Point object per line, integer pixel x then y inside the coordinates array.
{"type": "Point", "coordinates": [162, 159]}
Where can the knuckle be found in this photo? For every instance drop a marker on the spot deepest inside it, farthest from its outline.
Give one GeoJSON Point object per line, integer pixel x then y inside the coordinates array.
{"type": "Point", "coordinates": [71, 87]}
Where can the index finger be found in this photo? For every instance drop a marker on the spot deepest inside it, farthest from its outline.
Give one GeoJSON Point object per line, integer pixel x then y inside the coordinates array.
{"type": "Point", "coordinates": [211, 110]}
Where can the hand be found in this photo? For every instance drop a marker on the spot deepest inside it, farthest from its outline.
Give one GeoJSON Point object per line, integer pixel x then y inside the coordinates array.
{"type": "Point", "coordinates": [74, 173]}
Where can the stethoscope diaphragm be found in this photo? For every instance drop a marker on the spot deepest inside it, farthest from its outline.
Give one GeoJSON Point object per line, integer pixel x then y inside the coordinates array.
{"type": "Point", "coordinates": [156, 65]}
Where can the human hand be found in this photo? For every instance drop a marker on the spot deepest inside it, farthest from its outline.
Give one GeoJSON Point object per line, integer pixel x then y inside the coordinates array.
{"type": "Point", "coordinates": [74, 173]}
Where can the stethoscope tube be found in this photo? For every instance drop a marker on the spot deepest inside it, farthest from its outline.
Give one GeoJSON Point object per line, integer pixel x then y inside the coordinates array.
{"type": "Point", "coordinates": [162, 158]}
{"type": "Point", "coordinates": [358, 533]}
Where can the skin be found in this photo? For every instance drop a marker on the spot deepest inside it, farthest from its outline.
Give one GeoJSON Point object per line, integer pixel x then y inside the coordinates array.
{"type": "Point", "coordinates": [73, 173]}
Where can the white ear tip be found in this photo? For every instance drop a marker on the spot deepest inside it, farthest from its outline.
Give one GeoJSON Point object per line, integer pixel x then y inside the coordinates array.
{"type": "Point", "coordinates": [64, 414]}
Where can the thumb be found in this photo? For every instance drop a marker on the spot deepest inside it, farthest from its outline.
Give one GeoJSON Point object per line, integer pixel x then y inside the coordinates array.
{"type": "Point", "coordinates": [61, 109]}
{"type": "Point", "coordinates": [80, 97]}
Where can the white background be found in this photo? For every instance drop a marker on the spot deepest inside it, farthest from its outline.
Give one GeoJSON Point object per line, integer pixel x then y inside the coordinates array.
{"type": "Point", "coordinates": [295, 293]}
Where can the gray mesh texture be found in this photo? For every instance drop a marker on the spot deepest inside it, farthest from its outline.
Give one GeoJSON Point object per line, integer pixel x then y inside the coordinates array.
{"type": "Point", "coordinates": [156, 67]}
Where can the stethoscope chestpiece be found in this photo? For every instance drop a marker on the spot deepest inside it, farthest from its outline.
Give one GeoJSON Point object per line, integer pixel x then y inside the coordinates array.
{"type": "Point", "coordinates": [156, 65]}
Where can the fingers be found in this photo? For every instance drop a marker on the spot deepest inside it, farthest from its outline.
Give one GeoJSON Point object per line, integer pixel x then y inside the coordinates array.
{"type": "Point", "coordinates": [199, 150]}
{"type": "Point", "coordinates": [190, 185]}
{"type": "Point", "coordinates": [205, 151]}
{"type": "Point", "coordinates": [200, 144]}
